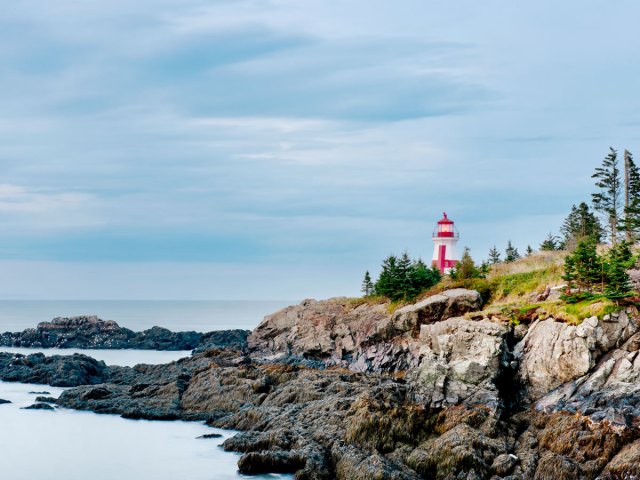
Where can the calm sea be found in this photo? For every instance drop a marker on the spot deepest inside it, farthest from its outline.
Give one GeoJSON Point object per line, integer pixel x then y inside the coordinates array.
{"type": "Point", "coordinates": [72, 445]}
{"type": "Point", "coordinates": [177, 315]}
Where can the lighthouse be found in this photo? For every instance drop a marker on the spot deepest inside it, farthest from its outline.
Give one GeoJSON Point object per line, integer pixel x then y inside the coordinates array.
{"type": "Point", "coordinates": [445, 238]}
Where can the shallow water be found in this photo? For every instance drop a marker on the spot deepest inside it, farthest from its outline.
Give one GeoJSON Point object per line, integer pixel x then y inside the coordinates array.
{"type": "Point", "coordinates": [125, 358]}
{"type": "Point", "coordinates": [71, 445]}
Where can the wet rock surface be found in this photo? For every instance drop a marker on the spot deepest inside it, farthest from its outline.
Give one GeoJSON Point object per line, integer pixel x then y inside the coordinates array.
{"type": "Point", "coordinates": [468, 399]}
{"type": "Point", "coordinates": [92, 332]}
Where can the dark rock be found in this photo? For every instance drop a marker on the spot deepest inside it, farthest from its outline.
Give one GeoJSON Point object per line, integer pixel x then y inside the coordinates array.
{"type": "Point", "coordinates": [3, 401]}
{"type": "Point", "coordinates": [254, 463]}
{"type": "Point", "coordinates": [92, 332]}
{"type": "Point", "coordinates": [40, 393]}
{"type": "Point", "coordinates": [39, 406]}
{"type": "Point", "coordinates": [45, 399]}
{"type": "Point", "coordinates": [210, 435]}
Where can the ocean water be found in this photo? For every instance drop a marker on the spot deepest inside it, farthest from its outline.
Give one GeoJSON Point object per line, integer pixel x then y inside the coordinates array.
{"type": "Point", "coordinates": [125, 358]}
{"type": "Point", "coordinates": [71, 445]}
{"type": "Point", "coordinates": [177, 315]}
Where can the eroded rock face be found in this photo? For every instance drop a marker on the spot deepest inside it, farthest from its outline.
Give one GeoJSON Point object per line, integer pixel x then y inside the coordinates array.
{"type": "Point", "coordinates": [553, 353]}
{"type": "Point", "coordinates": [461, 361]}
{"type": "Point", "coordinates": [363, 338]}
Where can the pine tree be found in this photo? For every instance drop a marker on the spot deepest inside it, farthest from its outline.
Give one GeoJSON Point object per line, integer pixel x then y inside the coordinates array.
{"type": "Point", "coordinates": [529, 251]}
{"type": "Point", "coordinates": [580, 224]}
{"type": "Point", "coordinates": [550, 243]}
{"type": "Point", "coordinates": [511, 253]}
{"type": "Point", "coordinates": [388, 282]}
{"type": "Point", "coordinates": [404, 279]}
{"type": "Point", "coordinates": [367, 284]}
{"type": "Point", "coordinates": [494, 256]}
{"type": "Point", "coordinates": [630, 222]}
{"type": "Point", "coordinates": [617, 263]}
{"type": "Point", "coordinates": [421, 278]}
{"type": "Point", "coordinates": [607, 199]}
{"type": "Point", "coordinates": [404, 271]}
{"type": "Point", "coordinates": [588, 266]}
{"type": "Point", "coordinates": [569, 273]}
{"type": "Point", "coordinates": [466, 268]}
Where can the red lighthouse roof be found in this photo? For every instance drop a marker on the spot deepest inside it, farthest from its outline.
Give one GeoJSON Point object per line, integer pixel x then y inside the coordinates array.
{"type": "Point", "coordinates": [445, 228]}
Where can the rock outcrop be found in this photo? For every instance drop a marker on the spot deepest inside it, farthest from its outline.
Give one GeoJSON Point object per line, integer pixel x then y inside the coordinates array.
{"type": "Point", "coordinates": [553, 353]}
{"type": "Point", "coordinates": [362, 338]}
{"type": "Point", "coordinates": [92, 332]}
{"type": "Point", "coordinates": [337, 390]}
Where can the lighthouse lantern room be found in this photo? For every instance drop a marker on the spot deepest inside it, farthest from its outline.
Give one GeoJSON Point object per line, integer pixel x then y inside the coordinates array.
{"type": "Point", "coordinates": [445, 238]}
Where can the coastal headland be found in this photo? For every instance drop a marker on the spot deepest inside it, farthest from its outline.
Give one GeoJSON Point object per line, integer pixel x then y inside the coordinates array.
{"type": "Point", "coordinates": [442, 388]}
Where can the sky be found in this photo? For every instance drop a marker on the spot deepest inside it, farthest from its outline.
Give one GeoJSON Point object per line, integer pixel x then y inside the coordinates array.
{"type": "Point", "coordinates": [277, 149]}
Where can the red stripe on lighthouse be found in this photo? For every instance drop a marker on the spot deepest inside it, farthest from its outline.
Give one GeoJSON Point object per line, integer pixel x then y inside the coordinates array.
{"type": "Point", "coordinates": [441, 257]}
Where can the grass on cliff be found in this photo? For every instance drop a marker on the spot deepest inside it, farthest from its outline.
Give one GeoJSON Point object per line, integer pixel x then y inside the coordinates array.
{"type": "Point", "coordinates": [514, 282]}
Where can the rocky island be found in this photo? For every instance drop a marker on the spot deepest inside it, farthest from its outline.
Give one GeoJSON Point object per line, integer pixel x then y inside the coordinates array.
{"type": "Point", "coordinates": [91, 332]}
{"type": "Point", "coordinates": [443, 388]}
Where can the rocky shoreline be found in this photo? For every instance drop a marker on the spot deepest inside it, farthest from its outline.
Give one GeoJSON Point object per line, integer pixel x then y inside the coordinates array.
{"type": "Point", "coordinates": [93, 333]}
{"type": "Point", "coordinates": [347, 390]}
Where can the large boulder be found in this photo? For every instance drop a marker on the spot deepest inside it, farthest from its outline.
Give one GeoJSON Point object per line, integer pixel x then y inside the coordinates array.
{"type": "Point", "coordinates": [553, 353]}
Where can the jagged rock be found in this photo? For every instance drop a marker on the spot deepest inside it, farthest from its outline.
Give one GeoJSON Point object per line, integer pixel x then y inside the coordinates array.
{"type": "Point", "coordinates": [363, 338]}
{"type": "Point", "coordinates": [461, 361]}
{"type": "Point", "coordinates": [553, 353]}
{"type": "Point", "coordinates": [3, 401]}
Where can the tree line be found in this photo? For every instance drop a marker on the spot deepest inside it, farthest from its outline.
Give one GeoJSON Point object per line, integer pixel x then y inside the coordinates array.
{"type": "Point", "coordinates": [401, 278]}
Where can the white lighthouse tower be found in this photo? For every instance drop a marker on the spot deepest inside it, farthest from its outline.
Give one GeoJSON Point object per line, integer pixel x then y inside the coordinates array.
{"type": "Point", "coordinates": [445, 238]}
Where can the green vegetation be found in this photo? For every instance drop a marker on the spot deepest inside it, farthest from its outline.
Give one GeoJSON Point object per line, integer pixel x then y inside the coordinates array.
{"type": "Point", "coordinates": [402, 278]}
{"type": "Point", "coordinates": [511, 253]}
{"type": "Point", "coordinates": [580, 225]}
{"type": "Point", "coordinates": [466, 268]}
{"type": "Point", "coordinates": [607, 199]}
{"type": "Point", "coordinates": [588, 274]}
{"type": "Point", "coordinates": [367, 284]}
{"type": "Point", "coordinates": [550, 244]}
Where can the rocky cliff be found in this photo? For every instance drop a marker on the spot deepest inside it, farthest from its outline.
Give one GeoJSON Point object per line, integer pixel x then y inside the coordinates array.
{"type": "Point", "coordinates": [337, 389]}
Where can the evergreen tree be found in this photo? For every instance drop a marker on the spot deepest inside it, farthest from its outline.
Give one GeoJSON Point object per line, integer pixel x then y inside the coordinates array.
{"type": "Point", "coordinates": [581, 224]}
{"type": "Point", "coordinates": [404, 279]}
{"type": "Point", "coordinates": [569, 273]}
{"type": "Point", "coordinates": [511, 253]}
{"type": "Point", "coordinates": [494, 256]}
{"type": "Point", "coordinates": [550, 243]}
{"type": "Point", "coordinates": [607, 199]}
{"type": "Point", "coordinates": [617, 263]}
{"type": "Point", "coordinates": [404, 272]}
{"type": "Point", "coordinates": [466, 267]}
{"type": "Point", "coordinates": [367, 284]}
{"type": "Point", "coordinates": [630, 222]}
{"type": "Point", "coordinates": [388, 282]}
{"type": "Point", "coordinates": [528, 251]}
{"type": "Point", "coordinates": [421, 278]}
{"type": "Point", "coordinates": [588, 267]}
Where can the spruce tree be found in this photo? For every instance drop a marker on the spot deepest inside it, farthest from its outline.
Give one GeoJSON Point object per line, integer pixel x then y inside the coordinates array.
{"type": "Point", "coordinates": [528, 251]}
{"type": "Point", "coordinates": [388, 282]}
{"type": "Point", "coordinates": [580, 224]}
{"type": "Point", "coordinates": [367, 284]}
{"type": "Point", "coordinates": [550, 243]}
{"type": "Point", "coordinates": [607, 199]}
{"type": "Point", "coordinates": [617, 263]}
{"type": "Point", "coordinates": [587, 266]}
{"type": "Point", "coordinates": [494, 256]}
{"type": "Point", "coordinates": [466, 268]}
{"type": "Point", "coordinates": [511, 253]}
{"type": "Point", "coordinates": [630, 222]}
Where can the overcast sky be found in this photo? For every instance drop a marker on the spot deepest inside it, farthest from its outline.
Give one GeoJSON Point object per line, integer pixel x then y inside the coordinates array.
{"type": "Point", "coordinates": [278, 149]}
